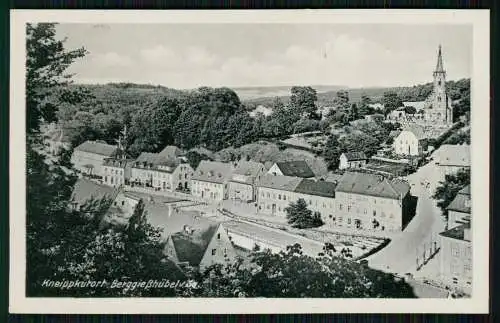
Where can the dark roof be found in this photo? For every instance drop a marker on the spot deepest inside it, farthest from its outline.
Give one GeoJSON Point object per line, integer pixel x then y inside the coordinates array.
{"type": "Point", "coordinates": [298, 168]}
{"type": "Point", "coordinates": [211, 171]}
{"type": "Point", "coordinates": [85, 190]}
{"type": "Point", "coordinates": [461, 202]}
{"type": "Point", "coordinates": [191, 247]}
{"type": "Point", "coordinates": [98, 148]}
{"type": "Point", "coordinates": [355, 155]}
{"type": "Point", "coordinates": [170, 151]}
{"type": "Point", "coordinates": [119, 163]}
{"type": "Point", "coordinates": [372, 184]}
{"type": "Point", "coordinates": [320, 188]}
{"type": "Point", "coordinates": [457, 232]}
{"type": "Point", "coordinates": [152, 160]}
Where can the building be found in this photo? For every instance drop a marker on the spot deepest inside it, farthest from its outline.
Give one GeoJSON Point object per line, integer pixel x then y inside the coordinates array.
{"type": "Point", "coordinates": [86, 190]}
{"type": "Point", "coordinates": [122, 208]}
{"type": "Point", "coordinates": [275, 193]}
{"type": "Point", "coordinates": [437, 107]}
{"type": "Point", "coordinates": [459, 209]}
{"type": "Point", "coordinates": [355, 159]}
{"type": "Point", "coordinates": [370, 202]}
{"type": "Point", "coordinates": [172, 152]}
{"type": "Point", "coordinates": [191, 240]}
{"type": "Point", "coordinates": [412, 141]}
{"type": "Point", "coordinates": [456, 258]}
{"type": "Point", "coordinates": [377, 117]}
{"type": "Point", "coordinates": [89, 157]}
{"type": "Point", "coordinates": [117, 171]}
{"type": "Point", "coordinates": [452, 158]}
{"type": "Point", "coordinates": [161, 173]}
{"type": "Point", "coordinates": [242, 186]}
{"type": "Point", "coordinates": [210, 180]}
{"type": "Point", "coordinates": [297, 168]}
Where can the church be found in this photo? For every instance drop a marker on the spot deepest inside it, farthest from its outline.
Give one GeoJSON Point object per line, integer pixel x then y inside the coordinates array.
{"type": "Point", "coordinates": [437, 107]}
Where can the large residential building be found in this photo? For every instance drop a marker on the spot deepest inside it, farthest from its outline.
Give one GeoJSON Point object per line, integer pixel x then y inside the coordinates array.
{"type": "Point", "coordinates": [161, 172]}
{"type": "Point", "coordinates": [356, 159]}
{"type": "Point", "coordinates": [275, 193]}
{"type": "Point", "coordinates": [242, 186]}
{"type": "Point", "coordinates": [117, 171]}
{"type": "Point", "coordinates": [456, 257]}
{"type": "Point", "coordinates": [89, 157]}
{"type": "Point", "coordinates": [297, 168]}
{"type": "Point", "coordinates": [412, 141]}
{"type": "Point", "coordinates": [210, 180]}
{"type": "Point", "coordinates": [452, 158]}
{"type": "Point", "coordinates": [459, 210]}
{"type": "Point", "coordinates": [370, 202]}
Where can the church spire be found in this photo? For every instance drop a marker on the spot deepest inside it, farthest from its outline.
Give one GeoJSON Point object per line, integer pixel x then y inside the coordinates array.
{"type": "Point", "coordinates": [439, 65]}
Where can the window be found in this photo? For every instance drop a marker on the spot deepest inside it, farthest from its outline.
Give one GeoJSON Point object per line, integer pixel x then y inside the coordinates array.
{"type": "Point", "coordinates": [310, 202]}
{"type": "Point", "coordinates": [348, 220]}
{"type": "Point", "coordinates": [340, 206]}
{"type": "Point", "coordinates": [348, 208]}
{"type": "Point", "coordinates": [268, 195]}
{"type": "Point", "coordinates": [284, 197]}
{"type": "Point", "coordinates": [455, 252]}
{"type": "Point", "coordinates": [123, 203]}
{"type": "Point", "coordinates": [279, 196]}
{"type": "Point", "coordinates": [214, 251]}
{"type": "Point", "coordinates": [218, 236]}
{"type": "Point", "coordinates": [374, 212]}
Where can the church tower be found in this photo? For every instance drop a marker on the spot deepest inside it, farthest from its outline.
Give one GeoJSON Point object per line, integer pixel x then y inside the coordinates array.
{"type": "Point", "coordinates": [439, 110]}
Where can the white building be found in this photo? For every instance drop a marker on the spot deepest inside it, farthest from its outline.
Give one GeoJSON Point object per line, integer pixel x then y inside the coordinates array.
{"type": "Point", "coordinates": [210, 180]}
{"type": "Point", "coordinates": [117, 171]}
{"type": "Point", "coordinates": [412, 141]}
{"type": "Point", "coordinates": [242, 186]}
{"type": "Point", "coordinates": [370, 202]}
{"type": "Point", "coordinates": [452, 158]}
{"type": "Point", "coordinates": [356, 159]}
{"type": "Point", "coordinates": [88, 158]}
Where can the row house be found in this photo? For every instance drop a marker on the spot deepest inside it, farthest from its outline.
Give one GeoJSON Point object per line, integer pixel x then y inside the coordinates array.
{"type": "Point", "coordinates": [210, 180]}
{"type": "Point", "coordinates": [161, 172]}
{"type": "Point", "coordinates": [297, 168]}
{"type": "Point", "coordinates": [117, 171]}
{"type": "Point", "coordinates": [370, 202]}
{"type": "Point", "coordinates": [88, 158]}
{"type": "Point", "coordinates": [275, 193]}
{"type": "Point", "coordinates": [242, 186]}
{"type": "Point", "coordinates": [412, 141]}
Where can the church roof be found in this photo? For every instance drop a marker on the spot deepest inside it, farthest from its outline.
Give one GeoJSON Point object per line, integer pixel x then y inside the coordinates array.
{"type": "Point", "coordinates": [418, 131]}
{"type": "Point", "coordinates": [439, 65]}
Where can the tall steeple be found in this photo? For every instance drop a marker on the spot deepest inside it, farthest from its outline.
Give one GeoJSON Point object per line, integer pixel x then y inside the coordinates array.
{"type": "Point", "coordinates": [439, 65]}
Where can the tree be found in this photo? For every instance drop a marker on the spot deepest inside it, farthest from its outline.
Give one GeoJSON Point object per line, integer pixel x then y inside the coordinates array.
{"type": "Point", "coordinates": [331, 152]}
{"type": "Point", "coordinates": [46, 64]}
{"type": "Point", "coordinates": [363, 142]}
{"type": "Point", "coordinates": [194, 158]}
{"type": "Point", "coordinates": [303, 100]}
{"type": "Point", "coordinates": [290, 273]}
{"type": "Point", "coordinates": [353, 112]}
{"type": "Point", "coordinates": [341, 101]}
{"type": "Point", "coordinates": [448, 189]}
{"type": "Point", "coordinates": [410, 109]}
{"type": "Point", "coordinates": [364, 107]}
{"type": "Point", "coordinates": [391, 101]}
{"type": "Point", "coordinates": [299, 216]}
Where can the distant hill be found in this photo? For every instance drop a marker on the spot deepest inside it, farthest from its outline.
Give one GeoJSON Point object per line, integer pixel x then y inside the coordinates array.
{"type": "Point", "coordinates": [252, 93]}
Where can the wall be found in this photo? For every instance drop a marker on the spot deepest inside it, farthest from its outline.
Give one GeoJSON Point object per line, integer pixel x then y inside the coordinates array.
{"type": "Point", "coordinates": [208, 191]}
{"type": "Point", "coordinates": [456, 263]}
{"type": "Point", "coordinates": [248, 242]}
{"type": "Point", "coordinates": [407, 144]}
{"type": "Point", "coordinates": [454, 216]}
{"type": "Point", "coordinates": [113, 176]}
{"type": "Point", "coordinates": [81, 158]}
{"type": "Point", "coordinates": [351, 207]}
{"type": "Point", "coordinates": [224, 250]}
{"type": "Point", "coordinates": [240, 191]}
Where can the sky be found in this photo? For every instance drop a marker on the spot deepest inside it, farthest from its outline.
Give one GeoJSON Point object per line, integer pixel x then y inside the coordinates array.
{"type": "Point", "coordinates": [247, 55]}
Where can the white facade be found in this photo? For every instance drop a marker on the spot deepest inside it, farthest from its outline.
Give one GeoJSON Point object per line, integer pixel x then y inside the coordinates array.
{"type": "Point", "coordinates": [344, 163]}
{"type": "Point", "coordinates": [88, 163]}
{"type": "Point", "coordinates": [209, 191]}
{"type": "Point", "coordinates": [113, 175]}
{"type": "Point", "coordinates": [406, 143]}
{"type": "Point", "coordinates": [275, 170]}
{"type": "Point", "coordinates": [456, 263]}
{"type": "Point", "coordinates": [366, 212]}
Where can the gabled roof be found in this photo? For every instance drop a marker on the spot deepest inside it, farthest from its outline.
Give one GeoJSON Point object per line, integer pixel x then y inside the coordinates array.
{"type": "Point", "coordinates": [333, 177]}
{"type": "Point", "coordinates": [211, 171]}
{"type": "Point", "coordinates": [418, 131]}
{"type": "Point", "coordinates": [285, 183]}
{"type": "Point", "coordinates": [248, 168]}
{"type": "Point", "coordinates": [298, 168]}
{"type": "Point", "coordinates": [170, 151]}
{"type": "Point", "coordinates": [355, 155]}
{"type": "Point", "coordinates": [461, 202]}
{"type": "Point", "coordinates": [98, 148]}
{"type": "Point", "coordinates": [453, 155]}
{"type": "Point", "coordinates": [371, 184]}
{"type": "Point", "coordinates": [85, 190]}
{"type": "Point", "coordinates": [152, 160]}
{"type": "Point", "coordinates": [457, 232]}
{"type": "Point", "coordinates": [190, 247]}
{"type": "Point", "coordinates": [320, 188]}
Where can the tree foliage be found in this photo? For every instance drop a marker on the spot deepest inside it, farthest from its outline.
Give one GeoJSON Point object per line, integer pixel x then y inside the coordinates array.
{"type": "Point", "coordinates": [448, 189]}
{"type": "Point", "coordinates": [299, 216]}
{"type": "Point", "coordinates": [391, 101]}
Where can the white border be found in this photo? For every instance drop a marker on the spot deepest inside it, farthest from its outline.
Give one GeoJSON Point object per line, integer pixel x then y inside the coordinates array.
{"type": "Point", "coordinates": [480, 105]}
